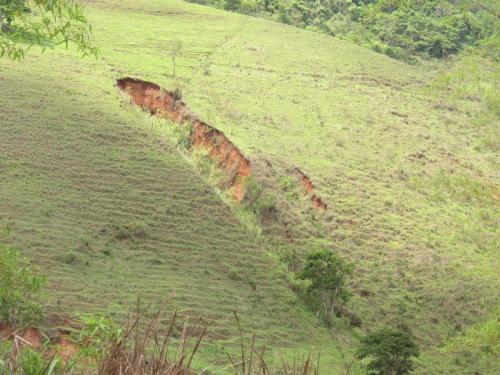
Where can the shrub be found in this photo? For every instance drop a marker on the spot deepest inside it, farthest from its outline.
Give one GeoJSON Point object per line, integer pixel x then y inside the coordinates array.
{"type": "Point", "coordinates": [19, 290]}
{"type": "Point", "coordinates": [388, 352]}
{"type": "Point", "coordinates": [484, 337]}
{"type": "Point", "coordinates": [96, 334]}
{"type": "Point", "coordinates": [327, 274]}
{"type": "Point", "coordinates": [131, 230]}
{"type": "Point", "coordinates": [261, 202]}
{"type": "Point", "coordinates": [182, 135]}
{"type": "Point", "coordinates": [377, 48]}
{"type": "Point", "coordinates": [290, 257]}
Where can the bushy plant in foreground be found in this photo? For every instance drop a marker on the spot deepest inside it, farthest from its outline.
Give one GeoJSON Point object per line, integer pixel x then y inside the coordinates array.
{"type": "Point", "coordinates": [19, 290]}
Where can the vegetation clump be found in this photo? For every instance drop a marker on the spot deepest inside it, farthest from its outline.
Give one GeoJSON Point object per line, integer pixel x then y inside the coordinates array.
{"type": "Point", "coordinates": [483, 337]}
{"type": "Point", "coordinates": [19, 290]}
{"type": "Point", "coordinates": [388, 352]}
{"type": "Point", "coordinates": [327, 274]}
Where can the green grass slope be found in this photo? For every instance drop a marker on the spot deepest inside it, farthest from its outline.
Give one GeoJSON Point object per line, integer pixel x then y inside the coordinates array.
{"type": "Point", "coordinates": [94, 193]}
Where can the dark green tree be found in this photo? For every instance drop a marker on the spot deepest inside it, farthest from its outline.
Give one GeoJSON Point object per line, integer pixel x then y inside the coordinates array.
{"type": "Point", "coordinates": [388, 352]}
{"type": "Point", "coordinates": [44, 23]}
{"type": "Point", "coordinates": [328, 274]}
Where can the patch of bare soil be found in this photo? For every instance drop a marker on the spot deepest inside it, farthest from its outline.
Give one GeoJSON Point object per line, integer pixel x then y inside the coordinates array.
{"type": "Point", "coordinates": [29, 336]}
{"type": "Point", "coordinates": [63, 347]}
{"type": "Point", "coordinates": [60, 344]}
{"type": "Point", "coordinates": [168, 104]}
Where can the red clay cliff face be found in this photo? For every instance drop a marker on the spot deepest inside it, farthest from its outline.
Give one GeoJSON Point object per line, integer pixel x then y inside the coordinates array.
{"type": "Point", "coordinates": [167, 104]}
{"type": "Point", "coordinates": [307, 184]}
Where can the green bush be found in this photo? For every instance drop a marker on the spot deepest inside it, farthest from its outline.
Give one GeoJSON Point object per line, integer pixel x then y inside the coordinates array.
{"type": "Point", "coordinates": [183, 136]}
{"type": "Point", "coordinates": [483, 337]}
{"type": "Point", "coordinates": [5, 351]}
{"type": "Point", "coordinates": [19, 290]}
{"type": "Point", "coordinates": [260, 201]}
{"type": "Point", "coordinates": [96, 334]}
{"type": "Point", "coordinates": [290, 256]}
{"type": "Point", "coordinates": [388, 352]}
{"type": "Point", "coordinates": [327, 274]}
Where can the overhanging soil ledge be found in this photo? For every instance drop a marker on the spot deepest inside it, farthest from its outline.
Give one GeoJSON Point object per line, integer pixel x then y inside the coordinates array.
{"type": "Point", "coordinates": [168, 104]}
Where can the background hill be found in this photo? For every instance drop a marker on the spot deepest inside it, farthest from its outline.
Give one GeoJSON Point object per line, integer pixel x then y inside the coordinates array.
{"type": "Point", "coordinates": [96, 193]}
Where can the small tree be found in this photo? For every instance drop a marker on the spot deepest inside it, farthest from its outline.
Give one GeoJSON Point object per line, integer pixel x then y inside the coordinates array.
{"type": "Point", "coordinates": [327, 273]}
{"type": "Point", "coordinates": [19, 289]}
{"type": "Point", "coordinates": [45, 23]}
{"type": "Point", "coordinates": [175, 51]}
{"type": "Point", "coordinates": [388, 352]}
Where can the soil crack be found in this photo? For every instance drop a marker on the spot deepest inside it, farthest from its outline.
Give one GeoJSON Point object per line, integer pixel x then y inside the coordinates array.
{"type": "Point", "coordinates": [168, 104]}
{"type": "Point", "coordinates": [308, 185]}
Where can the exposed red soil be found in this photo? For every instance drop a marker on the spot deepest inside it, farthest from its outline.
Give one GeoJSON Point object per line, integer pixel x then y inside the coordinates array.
{"type": "Point", "coordinates": [28, 336]}
{"type": "Point", "coordinates": [5, 330]}
{"type": "Point", "coordinates": [167, 104]}
{"type": "Point", "coordinates": [318, 202]}
{"type": "Point", "coordinates": [32, 337]}
{"type": "Point", "coordinates": [64, 348]}
{"type": "Point", "coordinates": [304, 180]}
{"type": "Point", "coordinates": [308, 185]}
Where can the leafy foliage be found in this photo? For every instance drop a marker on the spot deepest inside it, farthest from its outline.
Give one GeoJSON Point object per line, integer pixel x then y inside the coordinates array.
{"type": "Point", "coordinates": [259, 200]}
{"type": "Point", "coordinates": [484, 337]}
{"type": "Point", "coordinates": [327, 273]}
{"type": "Point", "coordinates": [475, 75]}
{"type": "Point", "coordinates": [45, 23]}
{"type": "Point", "coordinates": [96, 334]}
{"type": "Point", "coordinates": [19, 290]}
{"type": "Point", "coordinates": [388, 352]}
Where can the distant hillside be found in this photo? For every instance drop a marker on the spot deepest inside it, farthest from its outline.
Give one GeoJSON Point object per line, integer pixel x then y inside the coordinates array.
{"type": "Point", "coordinates": [402, 29]}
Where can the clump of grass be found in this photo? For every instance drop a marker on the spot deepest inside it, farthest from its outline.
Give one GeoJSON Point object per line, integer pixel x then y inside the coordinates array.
{"type": "Point", "coordinates": [131, 231]}
{"type": "Point", "coordinates": [131, 353]}
{"type": "Point", "coordinates": [251, 360]}
{"type": "Point", "coordinates": [261, 201]}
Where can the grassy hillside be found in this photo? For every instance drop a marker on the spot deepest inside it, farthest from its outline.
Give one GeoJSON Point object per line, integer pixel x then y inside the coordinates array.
{"type": "Point", "coordinates": [100, 200]}
{"type": "Point", "coordinates": [94, 191]}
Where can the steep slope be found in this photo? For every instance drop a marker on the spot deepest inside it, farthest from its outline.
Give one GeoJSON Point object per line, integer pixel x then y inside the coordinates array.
{"type": "Point", "coordinates": [411, 184]}
{"type": "Point", "coordinates": [96, 196]}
